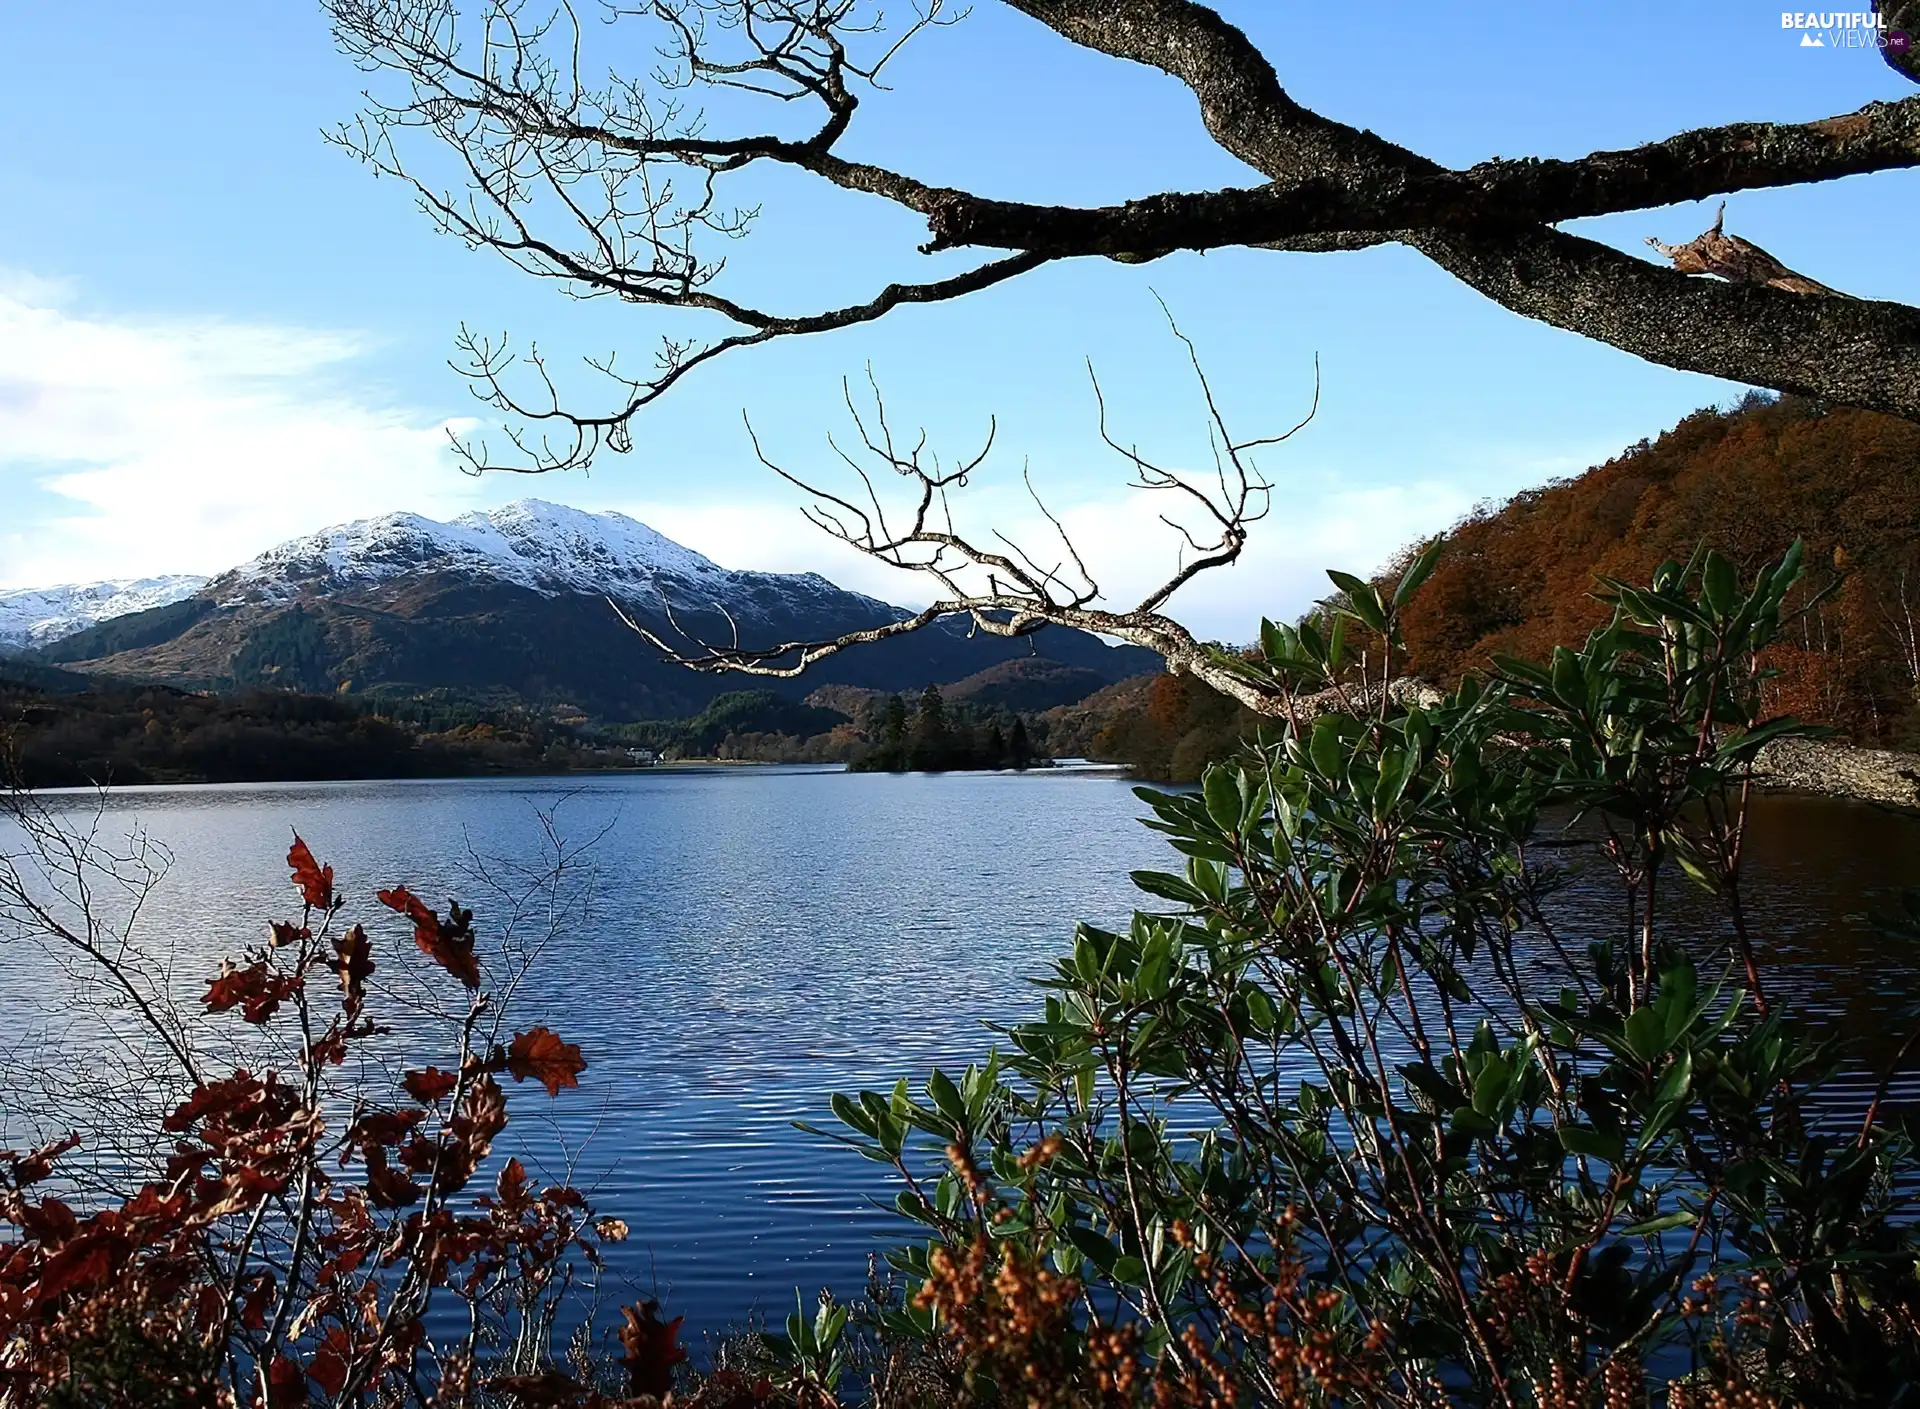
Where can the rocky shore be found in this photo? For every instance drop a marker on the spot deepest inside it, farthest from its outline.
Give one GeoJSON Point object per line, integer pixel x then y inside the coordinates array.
{"type": "Point", "coordinates": [1839, 770]}
{"type": "Point", "coordinates": [1790, 765]}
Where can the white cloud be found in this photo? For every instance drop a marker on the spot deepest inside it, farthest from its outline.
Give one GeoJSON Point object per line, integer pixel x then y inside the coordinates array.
{"type": "Point", "coordinates": [131, 447]}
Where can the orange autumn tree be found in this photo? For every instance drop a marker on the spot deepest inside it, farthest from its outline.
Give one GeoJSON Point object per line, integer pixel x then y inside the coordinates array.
{"type": "Point", "coordinates": [1520, 578]}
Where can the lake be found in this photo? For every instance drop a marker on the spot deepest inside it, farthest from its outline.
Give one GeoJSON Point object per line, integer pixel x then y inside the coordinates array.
{"type": "Point", "coordinates": [756, 938]}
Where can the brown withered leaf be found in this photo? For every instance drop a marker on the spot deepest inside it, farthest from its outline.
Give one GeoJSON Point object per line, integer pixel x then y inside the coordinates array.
{"type": "Point", "coordinates": [286, 1383]}
{"type": "Point", "coordinates": [331, 1362]}
{"type": "Point", "coordinates": [49, 1222]}
{"type": "Point", "coordinates": [485, 1117]}
{"type": "Point", "coordinates": [653, 1349]}
{"type": "Point", "coordinates": [510, 1191]}
{"type": "Point", "coordinates": [258, 1298]}
{"type": "Point", "coordinates": [315, 881]}
{"type": "Point", "coordinates": [539, 1055]}
{"type": "Point", "coordinates": [420, 1154]}
{"type": "Point", "coordinates": [257, 990]}
{"type": "Point", "coordinates": [431, 1086]}
{"type": "Point", "coordinates": [36, 1164]}
{"type": "Point", "coordinates": [285, 934]}
{"type": "Point", "coordinates": [448, 942]}
{"type": "Point", "coordinates": [83, 1262]}
{"type": "Point", "coordinates": [377, 1128]}
{"type": "Point", "coordinates": [611, 1230]}
{"type": "Point", "coordinates": [470, 1137]}
{"type": "Point", "coordinates": [353, 962]}
{"type": "Point", "coordinates": [387, 1187]}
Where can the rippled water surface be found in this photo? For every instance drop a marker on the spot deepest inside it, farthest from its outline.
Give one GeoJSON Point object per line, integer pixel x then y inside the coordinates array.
{"type": "Point", "coordinates": [758, 938]}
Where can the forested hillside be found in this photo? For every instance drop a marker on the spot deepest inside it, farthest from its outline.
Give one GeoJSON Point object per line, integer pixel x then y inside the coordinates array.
{"type": "Point", "coordinates": [1519, 578]}
{"type": "Point", "coordinates": [52, 735]}
{"type": "Point", "coordinates": [1522, 577]}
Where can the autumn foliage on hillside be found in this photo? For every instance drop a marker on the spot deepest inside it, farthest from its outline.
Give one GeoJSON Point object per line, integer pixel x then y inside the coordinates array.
{"type": "Point", "coordinates": [1520, 578]}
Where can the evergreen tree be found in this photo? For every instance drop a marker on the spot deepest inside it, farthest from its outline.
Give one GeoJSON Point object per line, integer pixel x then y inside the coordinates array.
{"type": "Point", "coordinates": [1018, 747]}
{"type": "Point", "coordinates": [996, 747]}
{"type": "Point", "coordinates": [896, 735]}
{"type": "Point", "coordinates": [930, 731]}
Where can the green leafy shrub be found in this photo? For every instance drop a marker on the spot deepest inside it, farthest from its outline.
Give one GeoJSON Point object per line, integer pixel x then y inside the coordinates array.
{"type": "Point", "coordinates": [1348, 1117]}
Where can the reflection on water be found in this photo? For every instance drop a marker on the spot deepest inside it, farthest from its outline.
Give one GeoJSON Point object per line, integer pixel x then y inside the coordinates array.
{"type": "Point", "coordinates": [761, 937]}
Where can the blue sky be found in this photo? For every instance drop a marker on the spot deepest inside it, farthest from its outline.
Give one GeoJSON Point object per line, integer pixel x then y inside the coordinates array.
{"type": "Point", "coordinates": [216, 331]}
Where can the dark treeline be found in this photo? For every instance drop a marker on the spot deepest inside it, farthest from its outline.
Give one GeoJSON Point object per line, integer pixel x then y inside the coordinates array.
{"type": "Point", "coordinates": [864, 729]}
{"type": "Point", "coordinates": [934, 734]}
{"type": "Point", "coordinates": [55, 732]}
{"type": "Point", "coordinates": [1173, 732]}
{"type": "Point", "coordinates": [155, 735]}
{"type": "Point", "coordinates": [726, 726]}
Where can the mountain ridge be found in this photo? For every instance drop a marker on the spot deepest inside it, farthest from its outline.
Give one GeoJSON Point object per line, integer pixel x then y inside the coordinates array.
{"type": "Point", "coordinates": [515, 604]}
{"type": "Point", "coordinates": [31, 617]}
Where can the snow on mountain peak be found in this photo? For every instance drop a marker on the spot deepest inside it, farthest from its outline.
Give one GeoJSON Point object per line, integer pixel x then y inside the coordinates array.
{"type": "Point", "coordinates": [38, 616]}
{"type": "Point", "coordinates": [585, 547]}
{"type": "Point", "coordinates": [545, 547]}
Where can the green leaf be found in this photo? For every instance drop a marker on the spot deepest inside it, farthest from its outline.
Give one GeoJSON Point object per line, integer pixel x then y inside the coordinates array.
{"type": "Point", "coordinates": [1490, 1087]}
{"type": "Point", "coordinates": [1468, 1121]}
{"type": "Point", "coordinates": [852, 1114]}
{"type": "Point", "coordinates": [1681, 1218]}
{"type": "Point", "coordinates": [1098, 1249]}
{"type": "Point", "coordinates": [946, 1096]}
{"type": "Point", "coordinates": [912, 1206]}
{"type": "Point", "coordinates": [1569, 683]}
{"type": "Point", "coordinates": [1222, 792]}
{"type": "Point", "coordinates": [1167, 887]}
{"type": "Point", "coordinates": [1676, 1081]}
{"type": "Point", "coordinates": [1260, 1011]}
{"type": "Point", "coordinates": [1579, 1140]}
{"type": "Point", "coordinates": [1362, 600]}
{"type": "Point", "coordinates": [1719, 584]}
{"type": "Point", "coordinates": [1418, 572]}
{"type": "Point", "coordinates": [1326, 747]}
{"type": "Point", "coordinates": [1646, 1034]}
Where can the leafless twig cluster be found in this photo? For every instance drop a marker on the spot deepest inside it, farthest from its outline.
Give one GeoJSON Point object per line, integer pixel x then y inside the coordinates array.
{"type": "Point", "coordinates": [1001, 586]}
{"type": "Point", "coordinates": [610, 185]}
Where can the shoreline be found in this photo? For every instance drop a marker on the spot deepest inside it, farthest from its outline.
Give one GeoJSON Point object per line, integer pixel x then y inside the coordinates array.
{"type": "Point", "coordinates": [1819, 767]}
{"type": "Point", "coordinates": [1840, 770]}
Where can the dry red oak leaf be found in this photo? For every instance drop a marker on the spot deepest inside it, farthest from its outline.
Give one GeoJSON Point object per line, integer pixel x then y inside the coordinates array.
{"type": "Point", "coordinates": [538, 1054]}
{"type": "Point", "coordinates": [653, 1348]}
{"type": "Point", "coordinates": [315, 881]}
{"type": "Point", "coordinates": [448, 942]}
{"type": "Point", "coordinates": [431, 1086]}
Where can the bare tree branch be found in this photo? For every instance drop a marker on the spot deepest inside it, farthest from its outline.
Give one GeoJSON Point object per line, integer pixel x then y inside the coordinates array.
{"type": "Point", "coordinates": [1902, 18]}
{"type": "Point", "coordinates": [1861, 352]}
{"type": "Point", "coordinates": [612, 185]}
{"type": "Point", "coordinates": [1006, 591]}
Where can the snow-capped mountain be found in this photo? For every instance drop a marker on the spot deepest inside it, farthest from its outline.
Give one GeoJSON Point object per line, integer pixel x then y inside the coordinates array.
{"type": "Point", "coordinates": [545, 548]}
{"type": "Point", "coordinates": [38, 616]}
{"type": "Point", "coordinates": [513, 604]}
